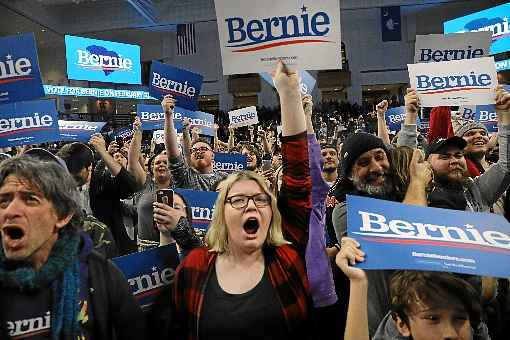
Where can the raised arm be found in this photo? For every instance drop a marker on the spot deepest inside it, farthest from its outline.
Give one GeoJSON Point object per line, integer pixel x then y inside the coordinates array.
{"type": "Point", "coordinates": [134, 154]}
{"type": "Point", "coordinates": [356, 327]}
{"type": "Point", "coordinates": [99, 144]}
{"type": "Point", "coordinates": [408, 134]}
{"type": "Point", "coordinates": [382, 128]}
{"type": "Point", "coordinates": [294, 201]}
{"type": "Point", "coordinates": [420, 177]}
{"type": "Point", "coordinates": [186, 140]}
{"type": "Point", "coordinates": [168, 105]}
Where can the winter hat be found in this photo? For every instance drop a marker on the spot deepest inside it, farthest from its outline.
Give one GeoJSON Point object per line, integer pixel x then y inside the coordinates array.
{"type": "Point", "coordinates": [470, 125]}
{"type": "Point", "coordinates": [355, 145]}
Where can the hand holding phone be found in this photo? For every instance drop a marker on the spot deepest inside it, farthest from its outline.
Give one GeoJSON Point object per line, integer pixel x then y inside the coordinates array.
{"type": "Point", "coordinates": [165, 196]}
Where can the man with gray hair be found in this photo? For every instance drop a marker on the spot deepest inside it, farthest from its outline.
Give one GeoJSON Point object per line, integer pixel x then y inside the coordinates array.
{"type": "Point", "coordinates": [52, 284]}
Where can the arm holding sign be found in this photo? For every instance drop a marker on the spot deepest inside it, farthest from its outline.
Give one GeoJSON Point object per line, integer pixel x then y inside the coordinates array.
{"type": "Point", "coordinates": [408, 135]}
{"type": "Point", "coordinates": [496, 179]}
{"type": "Point", "coordinates": [356, 327]}
{"type": "Point", "coordinates": [186, 140]}
{"type": "Point", "coordinates": [382, 128]}
{"type": "Point", "coordinates": [134, 154]}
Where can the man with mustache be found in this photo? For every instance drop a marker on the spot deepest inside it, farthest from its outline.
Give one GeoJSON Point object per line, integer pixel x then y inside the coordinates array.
{"type": "Point", "coordinates": [453, 188]}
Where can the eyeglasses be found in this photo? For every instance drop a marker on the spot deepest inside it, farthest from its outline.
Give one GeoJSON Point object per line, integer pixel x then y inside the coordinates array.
{"type": "Point", "coordinates": [241, 201]}
{"type": "Point", "coordinates": [200, 149]}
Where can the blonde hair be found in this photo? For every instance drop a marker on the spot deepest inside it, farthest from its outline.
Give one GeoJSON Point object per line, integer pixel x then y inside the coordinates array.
{"type": "Point", "coordinates": [217, 234]}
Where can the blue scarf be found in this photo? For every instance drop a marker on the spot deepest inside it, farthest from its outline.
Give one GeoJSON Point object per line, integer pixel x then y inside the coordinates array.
{"type": "Point", "coordinates": [62, 272]}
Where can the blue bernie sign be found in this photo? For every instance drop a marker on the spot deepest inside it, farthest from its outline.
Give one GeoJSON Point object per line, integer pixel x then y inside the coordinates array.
{"type": "Point", "coordinates": [31, 122]}
{"type": "Point", "coordinates": [153, 118]}
{"type": "Point", "coordinates": [306, 81]}
{"type": "Point", "coordinates": [493, 19]}
{"type": "Point", "coordinates": [183, 85]}
{"type": "Point", "coordinates": [202, 206]}
{"type": "Point", "coordinates": [229, 162]}
{"type": "Point", "coordinates": [125, 132]}
{"type": "Point", "coordinates": [20, 78]}
{"type": "Point", "coordinates": [100, 60]}
{"type": "Point", "coordinates": [79, 131]}
{"type": "Point", "coordinates": [485, 114]}
{"type": "Point", "coordinates": [148, 272]}
{"type": "Point", "coordinates": [395, 117]}
{"type": "Point", "coordinates": [399, 236]}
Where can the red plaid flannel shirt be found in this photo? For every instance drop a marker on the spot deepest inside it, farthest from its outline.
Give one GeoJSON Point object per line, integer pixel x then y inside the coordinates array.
{"type": "Point", "coordinates": [286, 265]}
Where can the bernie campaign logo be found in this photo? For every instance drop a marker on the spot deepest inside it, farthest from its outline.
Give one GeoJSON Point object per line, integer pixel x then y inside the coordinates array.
{"type": "Point", "coordinates": [9, 126]}
{"type": "Point", "coordinates": [267, 33]}
{"type": "Point", "coordinates": [498, 26]}
{"type": "Point", "coordinates": [454, 83]}
{"type": "Point", "coordinates": [13, 70]}
{"type": "Point", "coordinates": [99, 58]}
{"type": "Point", "coordinates": [378, 229]}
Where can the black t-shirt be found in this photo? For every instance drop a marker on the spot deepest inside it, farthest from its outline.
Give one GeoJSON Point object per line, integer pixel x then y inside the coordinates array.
{"type": "Point", "coordinates": [27, 315]}
{"type": "Point", "coordinates": [256, 314]}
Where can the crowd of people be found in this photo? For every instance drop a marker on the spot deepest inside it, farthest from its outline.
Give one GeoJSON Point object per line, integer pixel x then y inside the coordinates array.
{"type": "Point", "coordinates": [276, 261]}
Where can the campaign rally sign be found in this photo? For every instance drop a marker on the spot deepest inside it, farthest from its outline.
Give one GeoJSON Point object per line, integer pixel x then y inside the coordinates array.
{"type": "Point", "coordinates": [148, 272]}
{"type": "Point", "coordinates": [20, 78]}
{"type": "Point", "coordinates": [433, 48]}
{"type": "Point", "coordinates": [494, 20]}
{"type": "Point", "coordinates": [100, 60]}
{"type": "Point", "coordinates": [184, 85]}
{"type": "Point", "coordinates": [80, 131]}
{"type": "Point", "coordinates": [202, 206]}
{"type": "Point", "coordinates": [453, 83]}
{"type": "Point", "coordinates": [158, 136]}
{"type": "Point", "coordinates": [31, 122]}
{"type": "Point", "coordinates": [485, 114]}
{"type": "Point", "coordinates": [395, 117]}
{"type": "Point", "coordinates": [306, 81]}
{"type": "Point", "coordinates": [243, 117]}
{"type": "Point", "coordinates": [296, 33]}
{"type": "Point", "coordinates": [229, 162]}
{"type": "Point", "coordinates": [503, 65]}
{"type": "Point", "coordinates": [399, 236]}
{"type": "Point", "coordinates": [153, 118]}
{"type": "Point", "coordinates": [125, 132]}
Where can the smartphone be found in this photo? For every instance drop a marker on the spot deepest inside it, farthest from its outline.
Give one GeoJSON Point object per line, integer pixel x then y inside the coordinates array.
{"type": "Point", "coordinates": [119, 141]}
{"type": "Point", "coordinates": [165, 196]}
{"type": "Point", "coordinates": [266, 164]}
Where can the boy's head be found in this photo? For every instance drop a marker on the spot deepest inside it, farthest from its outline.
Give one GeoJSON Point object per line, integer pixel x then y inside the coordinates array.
{"type": "Point", "coordinates": [434, 305]}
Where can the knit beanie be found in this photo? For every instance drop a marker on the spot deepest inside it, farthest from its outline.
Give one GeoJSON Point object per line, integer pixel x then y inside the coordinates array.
{"type": "Point", "coordinates": [469, 125]}
{"type": "Point", "coordinates": [355, 145]}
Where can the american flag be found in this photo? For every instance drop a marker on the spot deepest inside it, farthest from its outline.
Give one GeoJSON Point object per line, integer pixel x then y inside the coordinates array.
{"type": "Point", "coordinates": [186, 43]}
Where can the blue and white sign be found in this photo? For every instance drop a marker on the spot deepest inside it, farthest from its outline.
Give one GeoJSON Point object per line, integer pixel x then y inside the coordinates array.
{"type": "Point", "coordinates": [148, 272]}
{"type": "Point", "coordinates": [125, 132]}
{"type": "Point", "coordinates": [433, 48]}
{"type": "Point", "coordinates": [395, 117]}
{"type": "Point", "coordinates": [77, 130]}
{"type": "Point", "coordinates": [485, 114]}
{"type": "Point", "coordinates": [503, 65]}
{"type": "Point", "coordinates": [453, 83]}
{"type": "Point", "coordinates": [30, 122]}
{"type": "Point", "coordinates": [399, 236]}
{"type": "Point", "coordinates": [493, 19]}
{"type": "Point", "coordinates": [202, 206]}
{"type": "Point", "coordinates": [255, 35]}
{"type": "Point", "coordinates": [243, 117]}
{"type": "Point", "coordinates": [229, 162]}
{"type": "Point", "coordinates": [153, 118]}
{"type": "Point", "coordinates": [52, 90]}
{"type": "Point", "coordinates": [306, 81]}
{"type": "Point", "coordinates": [100, 60]}
{"type": "Point", "coordinates": [184, 85]}
{"type": "Point", "coordinates": [20, 78]}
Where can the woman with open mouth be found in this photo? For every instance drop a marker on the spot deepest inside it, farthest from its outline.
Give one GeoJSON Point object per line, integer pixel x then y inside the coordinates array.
{"type": "Point", "coordinates": [250, 280]}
